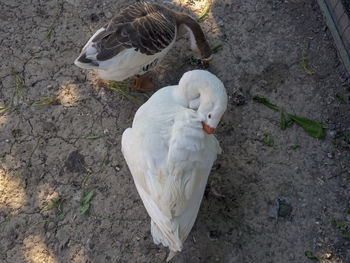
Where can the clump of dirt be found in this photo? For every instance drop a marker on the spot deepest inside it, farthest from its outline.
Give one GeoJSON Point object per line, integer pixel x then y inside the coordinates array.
{"type": "Point", "coordinates": [272, 77]}
{"type": "Point", "coordinates": [75, 162]}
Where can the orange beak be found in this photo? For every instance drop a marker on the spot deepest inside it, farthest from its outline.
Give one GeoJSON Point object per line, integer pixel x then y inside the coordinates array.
{"type": "Point", "coordinates": [207, 128]}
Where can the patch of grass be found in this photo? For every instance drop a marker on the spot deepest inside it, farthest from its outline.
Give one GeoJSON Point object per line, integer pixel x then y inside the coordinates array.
{"type": "Point", "coordinates": [346, 236]}
{"type": "Point", "coordinates": [195, 61]}
{"type": "Point", "coordinates": [36, 57]}
{"type": "Point", "coordinates": [57, 202]}
{"type": "Point", "coordinates": [305, 60]}
{"type": "Point", "coordinates": [90, 172]}
{"type": "Point", "coordinates": [3, 109]}
{"type": "Point", "coordinates": [312, 127]}
{"type": "Point", "coordinates": [343, 226]}
{"type": "Point", "coordinates": [125, 246]}
{"type": "Point", "coordinates": [266, 102]}
{"type": "Point", "coordinates": [289, 123]}
{"type": "Point", "coordinates": [112, 85]}
{"type": "Point", "coordinates": [18, 95]}
{"type": "Point", "coordinates": [283, 121]}
{"type": "Point", "coordinates": [341, 137]}
{"type": "Point", "coordinates": [59, 9]}
{"type": "Point", "coordinates": [309, 255]}
{"type": "Point", "coordinates": [340, 99]}
{"type": "Point", "coordinates": [92, 137]}
{"type": "Point", "coordinates": [191, 61]}
{"type": "Point", "coordinates": [216, 48]}
{"type": "Point", "coordinates": [54, 100]}
{"type": "Point", "coordinates": [49, 32]}
{"type": "Point", "coordinates": [294, 146]}
{"type": "Point", "coordinates": [268, 140]}
{"type": "Point", "coordinates": [85, 201]}
{"type": "Point", "coordinates": [5, 223]}
{"type": "Point", "coordinates": [202, 16]}
{"type": "Point", "coordinates": [229, 127]}
{"type": "Point", "coordinates": [35, 147]}
{"type": "Point", "coordinates": [347, 210]}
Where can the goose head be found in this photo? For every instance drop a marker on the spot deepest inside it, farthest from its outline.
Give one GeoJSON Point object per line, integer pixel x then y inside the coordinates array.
{"type": "Point", "coordinates": [203, 92]}
{"type": "Point", "coordinates": [199, 43]}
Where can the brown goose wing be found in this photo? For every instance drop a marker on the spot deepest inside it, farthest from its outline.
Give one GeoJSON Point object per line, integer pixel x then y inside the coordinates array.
{"type": "Point", "coordinates": [147, 27]}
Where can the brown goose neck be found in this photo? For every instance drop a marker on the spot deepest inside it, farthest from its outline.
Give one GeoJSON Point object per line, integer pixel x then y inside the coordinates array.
{"type": "Point", "coordinates": [191, 24]}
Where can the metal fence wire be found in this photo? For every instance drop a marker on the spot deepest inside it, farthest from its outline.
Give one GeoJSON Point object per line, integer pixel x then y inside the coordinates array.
{"type": "Point", "coordinates": [337, 14]}
{"type": "Point", "coordinates": [340, 14]}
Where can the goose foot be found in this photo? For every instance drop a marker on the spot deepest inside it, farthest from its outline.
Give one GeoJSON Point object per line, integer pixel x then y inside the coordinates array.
{"type": "Point", "coordinates": [142, 84]}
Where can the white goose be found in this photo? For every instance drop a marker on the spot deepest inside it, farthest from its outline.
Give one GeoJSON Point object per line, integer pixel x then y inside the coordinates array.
{"type": "Point", "coordinates": [136, 40]}
{"type": "Point", "coordinates": [170, 151]}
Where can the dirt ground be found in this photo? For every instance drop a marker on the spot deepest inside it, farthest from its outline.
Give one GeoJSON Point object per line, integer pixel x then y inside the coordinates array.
{"type": "Point", "coordinates": [265, 202]}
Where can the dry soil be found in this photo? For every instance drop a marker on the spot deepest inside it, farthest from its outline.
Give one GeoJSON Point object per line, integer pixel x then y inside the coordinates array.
{"type": "Point", "coordinates": [265, 202]}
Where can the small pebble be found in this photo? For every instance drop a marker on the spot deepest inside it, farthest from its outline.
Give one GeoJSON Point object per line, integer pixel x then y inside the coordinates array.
{"type": "Point", "coordinates": [331, 133]}
{"type": "Point", "coordinates": [7, 140]}
{"type": "Point", "coordinates": [108, 15]}
{"type": "Point", "coordinates": [330, 155]}
{"type": "Point", "coordinates": [281, 208]}
{"type": "Point", "coordinates": [89, 245]}
{"type": "Point", "coordinates": [94, 18]}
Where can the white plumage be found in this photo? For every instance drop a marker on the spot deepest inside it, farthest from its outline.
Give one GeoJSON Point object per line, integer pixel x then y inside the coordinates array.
{"type": "Point", "coordinates": [170, 155]}
{"type": "Point", "coordinates": [126, 64]}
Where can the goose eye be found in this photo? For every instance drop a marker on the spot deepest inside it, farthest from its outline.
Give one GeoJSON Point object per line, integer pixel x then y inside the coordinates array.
{"type": "Point", "coordinates": [209, 116]}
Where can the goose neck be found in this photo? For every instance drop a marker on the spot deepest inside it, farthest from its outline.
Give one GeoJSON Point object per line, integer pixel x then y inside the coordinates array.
{"type": "Point", "coordinates": [199, 44]}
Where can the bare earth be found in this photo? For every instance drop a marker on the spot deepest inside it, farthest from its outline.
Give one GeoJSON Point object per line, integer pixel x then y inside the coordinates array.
{"type": "Point", "coordinates": [277, 49]}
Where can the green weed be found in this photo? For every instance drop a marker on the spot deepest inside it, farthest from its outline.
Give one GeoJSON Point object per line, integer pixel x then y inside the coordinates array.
{"type": "Point", "coordinates": [305, 60]}
{"type": "Point", "coordinates": [201, 17]}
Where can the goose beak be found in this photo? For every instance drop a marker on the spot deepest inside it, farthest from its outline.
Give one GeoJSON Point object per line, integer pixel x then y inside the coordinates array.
{"type": "Point", "coordinates": [207, 128]}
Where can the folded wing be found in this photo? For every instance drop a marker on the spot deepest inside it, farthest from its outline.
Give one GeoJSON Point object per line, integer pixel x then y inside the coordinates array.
{"type": "Point", "coordinates": [171, 175]}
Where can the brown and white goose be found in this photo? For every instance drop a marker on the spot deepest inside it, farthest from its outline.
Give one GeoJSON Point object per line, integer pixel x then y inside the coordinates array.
{"type": "Point", "coordinates": [136, 40]}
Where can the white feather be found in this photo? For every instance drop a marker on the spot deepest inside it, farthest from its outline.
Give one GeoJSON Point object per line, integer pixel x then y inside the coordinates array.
{"type": "Point", "coordinates": [170, 156]}
{"type": "Point", "coordinates": [127, 63]}
{"type": "Point", "coordinates": [193, 42]}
